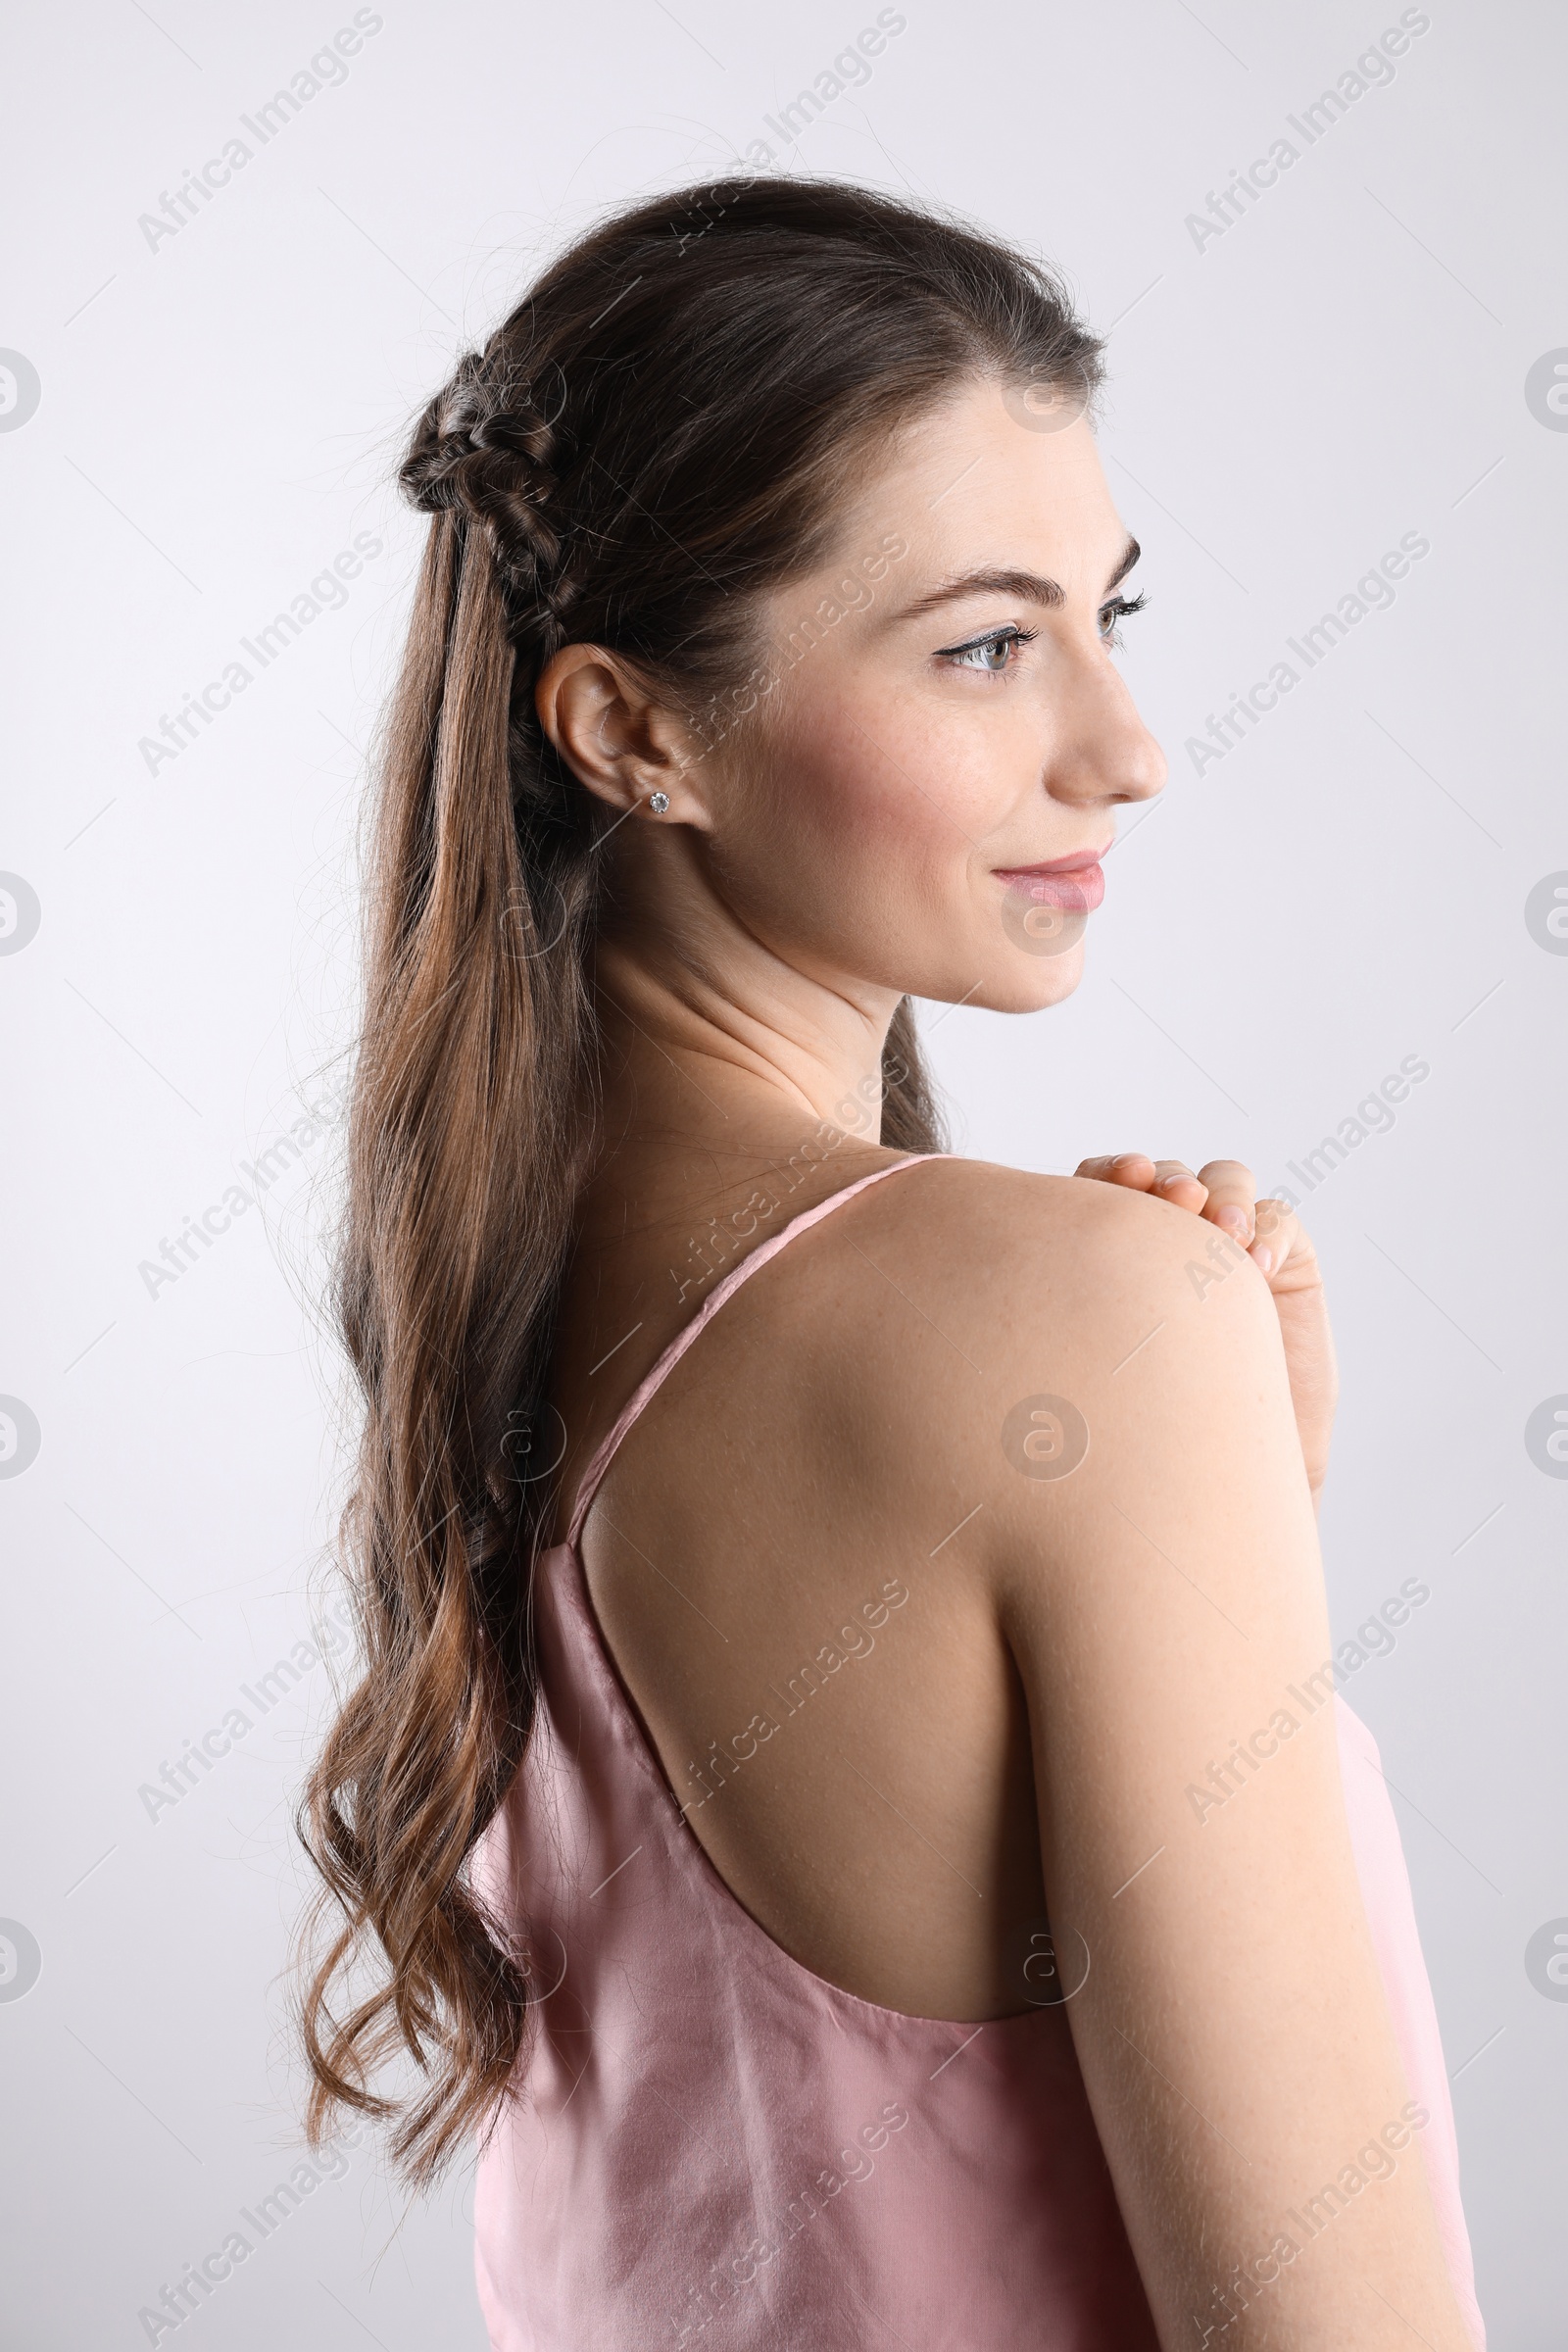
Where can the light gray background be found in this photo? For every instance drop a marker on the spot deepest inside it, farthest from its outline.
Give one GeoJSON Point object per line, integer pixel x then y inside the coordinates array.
{"type": "Point", "coordinates": [218, 416]}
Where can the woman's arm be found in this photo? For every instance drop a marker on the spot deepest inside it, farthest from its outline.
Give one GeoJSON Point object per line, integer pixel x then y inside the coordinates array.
{"type": "Point", "coordinates": [1164, 1600]}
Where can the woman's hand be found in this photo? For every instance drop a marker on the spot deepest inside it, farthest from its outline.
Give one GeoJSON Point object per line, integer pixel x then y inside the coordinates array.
{"type": "Point", "coordinates": [1224, 1195]}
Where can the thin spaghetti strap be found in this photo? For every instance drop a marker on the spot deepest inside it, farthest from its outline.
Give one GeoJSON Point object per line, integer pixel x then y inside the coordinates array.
{"type": "Point", "coordinates": [604, 1453]}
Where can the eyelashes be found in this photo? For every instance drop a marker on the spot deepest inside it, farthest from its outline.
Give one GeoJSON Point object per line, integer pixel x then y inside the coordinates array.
{"type": "Point", "coordinates": [993, 655]}
{"type": "Point", "coordinates": [978, 653]}
{"type": "Point", "coordinates": [1115, 608]}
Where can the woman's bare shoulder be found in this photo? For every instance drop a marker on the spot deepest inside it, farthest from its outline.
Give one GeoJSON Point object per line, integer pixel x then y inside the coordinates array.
{"type": "Point", "coordinates": [997, 1244]}
{"type": "Point", "coordinates": [999, 1321]}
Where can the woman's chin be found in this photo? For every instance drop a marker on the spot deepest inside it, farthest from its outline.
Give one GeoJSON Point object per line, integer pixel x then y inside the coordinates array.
{"type": "Point", "coordinates": [1025, 984]}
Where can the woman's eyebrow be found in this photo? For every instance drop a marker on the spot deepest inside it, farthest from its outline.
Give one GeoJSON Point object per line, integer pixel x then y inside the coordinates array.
{"type": "Point", "coordinates": [1129, 556]}
{"type": "Point", "coordinates": [1032, 586]}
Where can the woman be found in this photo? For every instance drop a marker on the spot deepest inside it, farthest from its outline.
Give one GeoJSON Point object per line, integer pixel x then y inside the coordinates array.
{"type": "Point", "coordinates": [844, 1785]}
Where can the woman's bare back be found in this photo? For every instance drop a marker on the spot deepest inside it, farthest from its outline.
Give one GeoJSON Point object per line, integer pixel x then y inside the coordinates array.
{"type": "Point", "coordinates": [795, 1597]}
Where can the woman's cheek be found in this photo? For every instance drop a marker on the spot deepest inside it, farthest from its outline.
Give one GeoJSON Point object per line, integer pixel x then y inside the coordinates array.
{"type": "Point", "coordinates": [901, 778]}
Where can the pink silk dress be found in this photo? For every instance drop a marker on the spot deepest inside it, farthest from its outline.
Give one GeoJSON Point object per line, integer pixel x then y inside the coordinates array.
{"type": "Point", "coordinates": [712, 2146]}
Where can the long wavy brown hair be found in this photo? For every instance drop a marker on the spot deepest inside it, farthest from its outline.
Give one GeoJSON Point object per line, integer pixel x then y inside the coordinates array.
{"type": "Point", "coordinates": [666, 426]}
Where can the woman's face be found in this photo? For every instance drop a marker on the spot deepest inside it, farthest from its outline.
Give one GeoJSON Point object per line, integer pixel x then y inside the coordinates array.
{"type": "Point", "coordinates": [938, 718]}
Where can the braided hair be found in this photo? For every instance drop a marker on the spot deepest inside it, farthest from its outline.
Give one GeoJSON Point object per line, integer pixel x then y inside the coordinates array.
{"type": "Point", "coordinates": [483, 449]}
{"type": "Point", "coordinates": [662, 430]}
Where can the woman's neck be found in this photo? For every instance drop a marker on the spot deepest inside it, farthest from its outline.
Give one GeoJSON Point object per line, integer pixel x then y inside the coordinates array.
{"type": "Point", "coordinates": [726, 1079]}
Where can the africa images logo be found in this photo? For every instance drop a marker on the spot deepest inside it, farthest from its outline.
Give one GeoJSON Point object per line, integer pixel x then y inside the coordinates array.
{"type": "Point", "coordinates": [20, 1436]}
{"type": "Point", "coordinates": [21, 1960]}
{"type": "Point", "coordinates": [19, 390]}
{"type": "Point", "coordinates": [1045, 1437]}
{"type": "Point", "coordinates": [1546, 391]}
{"type": "Point", "coordinates": [1546, 1437]}
{"type": "Point", "coordinates": [1547, 1959]}
{"type": "Point", "coordinates": [20, 914]}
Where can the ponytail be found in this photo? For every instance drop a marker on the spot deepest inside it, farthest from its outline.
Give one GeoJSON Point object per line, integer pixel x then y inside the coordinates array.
{"type": "Point", "coordinates": [661, 430]}
{"type": "Point", "coordinates": [911, 1120]}
{"type": "Point", "coordinates": [465, 1154]}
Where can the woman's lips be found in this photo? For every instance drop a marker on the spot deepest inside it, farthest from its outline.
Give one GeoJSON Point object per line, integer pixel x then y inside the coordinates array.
{"type": "Point", "coordinates": [1076, 883]}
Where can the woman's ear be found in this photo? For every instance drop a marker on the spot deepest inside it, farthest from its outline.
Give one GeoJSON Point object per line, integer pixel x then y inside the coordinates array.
{"type": "Point", "coordinates": [618, 736]}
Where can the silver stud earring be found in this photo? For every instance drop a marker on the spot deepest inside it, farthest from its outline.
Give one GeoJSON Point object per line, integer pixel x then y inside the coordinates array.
{"type": "Point", "coordinates": [659, 802]}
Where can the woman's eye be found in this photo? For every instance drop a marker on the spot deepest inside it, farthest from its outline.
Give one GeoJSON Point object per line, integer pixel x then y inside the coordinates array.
{"type": "Point", "coordinates": [1117, 608]}
{"type": "Point", "coordinates": [993, 655]}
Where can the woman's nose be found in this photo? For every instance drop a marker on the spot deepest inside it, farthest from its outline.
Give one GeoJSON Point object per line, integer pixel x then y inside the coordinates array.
{"type": "Point", "coordinates": [1105, 753]}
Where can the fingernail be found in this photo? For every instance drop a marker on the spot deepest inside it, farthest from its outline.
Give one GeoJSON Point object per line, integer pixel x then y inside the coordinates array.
{"type": "Point", "coordinates": [1263, 1260]}
{"type": "Point", "coordinates": [1233, 1220]}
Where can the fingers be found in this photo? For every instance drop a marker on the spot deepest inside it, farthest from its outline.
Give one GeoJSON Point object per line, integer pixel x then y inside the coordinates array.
{"type": "Point", "coordinates": [1171, 1179]}
{"type": "Point", "coordinates": [1175, 1182]}
{"type": "Point", "coordinates": [1135, 1169]}
{"type": "Point", "coordinates": [1231, 1190]}
{"type": "Point", "coordinates": [1223, 1192]}
{"type": "Point", "coordinates": [1280, 1241]}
